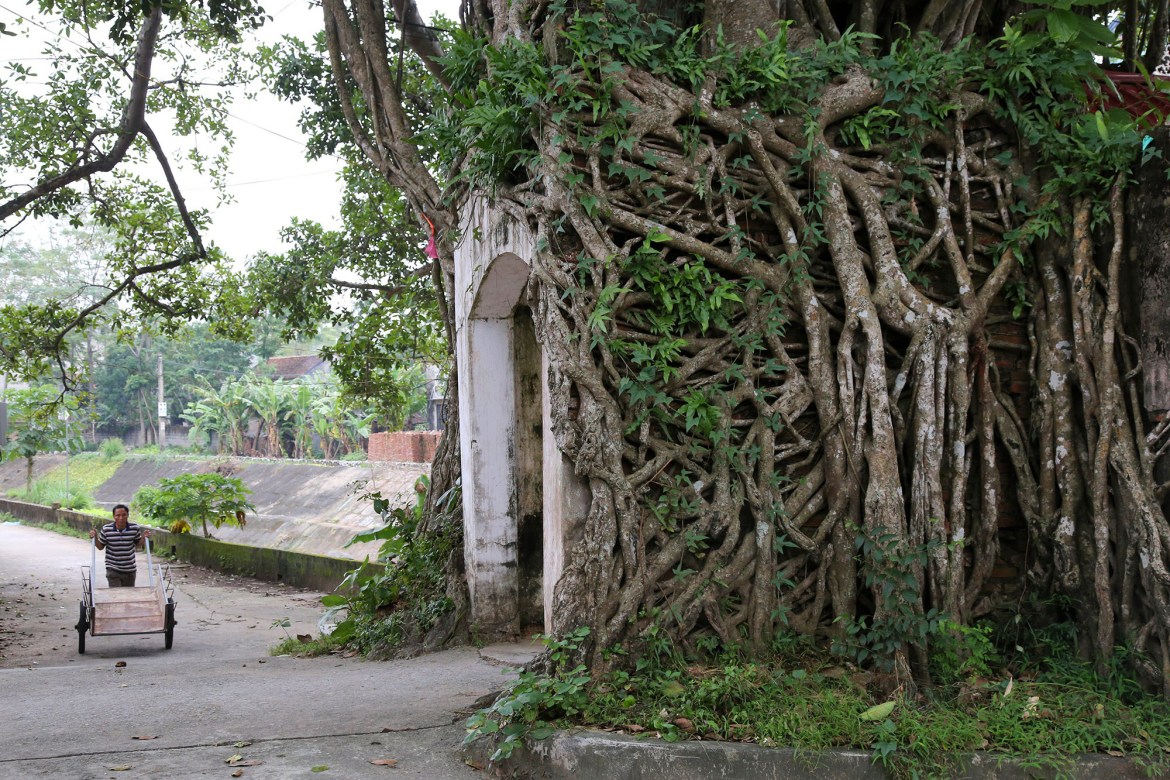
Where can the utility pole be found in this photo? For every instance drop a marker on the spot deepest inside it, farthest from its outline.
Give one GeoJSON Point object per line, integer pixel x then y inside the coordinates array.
{"type": "Point", "coordinates": [162, 409]}
{"type": "Point", "coordinates": [63, 416]}
{"type": "Point", "coordinates": [3, 409]}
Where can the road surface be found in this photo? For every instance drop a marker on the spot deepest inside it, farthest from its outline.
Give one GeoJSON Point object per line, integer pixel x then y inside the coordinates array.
{"type": "Point", "coordinates": [128, 708]}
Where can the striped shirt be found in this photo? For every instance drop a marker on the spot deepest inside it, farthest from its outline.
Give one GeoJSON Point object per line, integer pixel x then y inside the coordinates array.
{"type": "Point", "coordinates": [120, 545]}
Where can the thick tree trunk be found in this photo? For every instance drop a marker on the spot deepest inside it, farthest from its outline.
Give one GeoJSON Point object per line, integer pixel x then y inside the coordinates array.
{"type": "Point", "coordinates": [1149, 285]}
{"type": "Point", "coordinates": [1150, 219]}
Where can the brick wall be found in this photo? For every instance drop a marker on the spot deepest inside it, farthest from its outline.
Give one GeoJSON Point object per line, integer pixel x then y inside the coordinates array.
{"type": "Point", "coordinates": [404, 446]}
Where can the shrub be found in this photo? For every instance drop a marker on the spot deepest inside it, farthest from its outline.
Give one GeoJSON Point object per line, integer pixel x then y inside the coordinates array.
{"type": "Point", "coordinates": [112, 448]}
{"type": "Point", "coordinates": [182, 501]}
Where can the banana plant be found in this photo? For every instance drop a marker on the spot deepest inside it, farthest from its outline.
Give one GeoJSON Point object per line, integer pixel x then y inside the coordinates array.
{"type": "Point", "coordinates": [266, 398]}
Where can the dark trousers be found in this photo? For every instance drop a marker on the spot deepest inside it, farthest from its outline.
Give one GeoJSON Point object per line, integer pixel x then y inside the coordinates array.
{"type": "Point", "coordinates": [120, 579]}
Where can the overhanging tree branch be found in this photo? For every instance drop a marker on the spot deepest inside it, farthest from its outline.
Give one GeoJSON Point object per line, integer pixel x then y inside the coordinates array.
{"type": "Point", "coordinates": [133, 119]}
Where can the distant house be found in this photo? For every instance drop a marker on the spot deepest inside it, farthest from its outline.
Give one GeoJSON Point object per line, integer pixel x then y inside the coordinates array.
{"type": "Point", "coordinates": [298, 367]}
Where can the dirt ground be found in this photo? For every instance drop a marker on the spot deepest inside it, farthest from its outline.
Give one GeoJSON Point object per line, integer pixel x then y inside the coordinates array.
{"type": "Point", "coordinates": [39, 601]}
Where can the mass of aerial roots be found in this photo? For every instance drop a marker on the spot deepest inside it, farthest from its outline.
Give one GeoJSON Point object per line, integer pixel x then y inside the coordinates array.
{"type": "Point", "coordinates": [874, 372]}
{"type": "Point", "coordinates": [813, 387]}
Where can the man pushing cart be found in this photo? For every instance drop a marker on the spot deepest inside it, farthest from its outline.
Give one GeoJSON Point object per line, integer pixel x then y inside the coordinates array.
{"type": "Point", "coordinates": [123, 607]}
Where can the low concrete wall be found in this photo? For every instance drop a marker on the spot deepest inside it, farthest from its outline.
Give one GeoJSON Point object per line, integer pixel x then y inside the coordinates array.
{"type": "Point", "coordinates": [298, 569]}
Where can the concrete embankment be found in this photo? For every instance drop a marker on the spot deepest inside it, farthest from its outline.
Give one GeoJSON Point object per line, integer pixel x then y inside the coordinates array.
{"type": "Point", "coordinates": [306, 512]}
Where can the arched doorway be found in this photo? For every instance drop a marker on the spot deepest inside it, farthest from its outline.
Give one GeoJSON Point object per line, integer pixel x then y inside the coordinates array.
{"type": "Point", "coordinates": [501, 424]}
{"type": "Point", "coordinates": [522, 502]}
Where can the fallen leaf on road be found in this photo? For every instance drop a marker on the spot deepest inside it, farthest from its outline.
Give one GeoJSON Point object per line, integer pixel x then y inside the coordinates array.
{"type": "Point", "coordinates": [146, 736]}
{"type": "Point", "coordinates": [247, 762]}
{"type": "Point", "coordinates": [120, 767]}
{"type": "Point", "coordinates": [321, 768]}
{"type": "Point", "coordinates": [242, 743]}
{"type": "Point", "coordinates": [384, 762]}
{"type": "Point", "coordinates": [120, 664]}
{"type": "Point", "coordinates": [238, 773]}
{"type": "Point", "coordinates": [233, 759]}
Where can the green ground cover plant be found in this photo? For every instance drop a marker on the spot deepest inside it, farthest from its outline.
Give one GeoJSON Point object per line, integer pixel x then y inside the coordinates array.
{"type": "Point", "coordinates": [379, 611]}
{"type": "Point", "coordinates": [1040, 713]}
{"type": "Point", "coordinates": [304, 646]}
{"type": "Point", "coordinates": [321, 645]}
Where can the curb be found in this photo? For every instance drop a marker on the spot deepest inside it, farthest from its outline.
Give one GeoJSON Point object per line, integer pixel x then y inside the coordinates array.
{"type": "Point", "coordinates": [570, 755]}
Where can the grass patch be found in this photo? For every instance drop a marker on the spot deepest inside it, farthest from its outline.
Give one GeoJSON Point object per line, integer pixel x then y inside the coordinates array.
{"type": "Point", "coordinates": [64, 530]}
{"type": "Point", "coordinates": [87, 472]}
{"type": "Point", "coordinates": [323, 645]}
{"type": "Point", "coordinates": [59, 528]}
{"type": "Point", "coordinates": [1042, 716]}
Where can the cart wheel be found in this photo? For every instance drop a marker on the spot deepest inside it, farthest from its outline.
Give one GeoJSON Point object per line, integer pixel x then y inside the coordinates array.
{"type": "Point", "coordinates": [170, 624]}
{"type": "Point", "coordinates": [82, 627]}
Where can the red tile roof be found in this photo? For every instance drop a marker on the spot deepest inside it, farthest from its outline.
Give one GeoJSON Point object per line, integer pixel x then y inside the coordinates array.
{"type": "Point", "coordinates": [295, 366]}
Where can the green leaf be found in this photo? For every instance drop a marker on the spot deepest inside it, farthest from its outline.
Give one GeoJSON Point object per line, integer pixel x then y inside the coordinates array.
{"type": "Point", "coordinates": [1102, 128]}
{"type": "Point", "coordinates": [879, 712]}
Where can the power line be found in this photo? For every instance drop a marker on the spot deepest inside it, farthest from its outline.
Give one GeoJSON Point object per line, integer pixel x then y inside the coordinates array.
{"type": "Point", "coordinates": [302, 144]}
{"type": "Point", "coordinates": [231, 185]}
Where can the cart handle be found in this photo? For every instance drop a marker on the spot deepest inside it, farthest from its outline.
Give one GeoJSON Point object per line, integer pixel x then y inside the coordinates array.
{"type": "Point", "coordinates": [149, 564]}
{"type": "Point", "coordinates": [92, 559]}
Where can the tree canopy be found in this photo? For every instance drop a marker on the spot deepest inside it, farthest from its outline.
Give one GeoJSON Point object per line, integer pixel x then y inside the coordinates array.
{"type": "Point", "coordinates": [79, 140]}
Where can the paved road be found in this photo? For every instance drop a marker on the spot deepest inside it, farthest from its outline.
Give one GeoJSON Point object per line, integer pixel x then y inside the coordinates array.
{"type": "Point", "coordinates": [65, 715]}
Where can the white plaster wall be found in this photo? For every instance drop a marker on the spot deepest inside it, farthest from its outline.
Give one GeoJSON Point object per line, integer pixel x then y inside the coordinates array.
{"type": "Point", "coordinates": [487, 234]}
{"type": "Point", "coordinates": [490, 276]}
{"type": "Point", "coordinates": [489, 530]}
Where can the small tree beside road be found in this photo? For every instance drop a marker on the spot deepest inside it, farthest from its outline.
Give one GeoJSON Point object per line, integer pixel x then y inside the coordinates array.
{"type": "Point", "coordinates": [179, 502]}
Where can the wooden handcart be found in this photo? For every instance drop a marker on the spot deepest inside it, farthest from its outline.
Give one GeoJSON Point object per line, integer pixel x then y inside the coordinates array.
{"type": "Point", "coordinates": [148, 609]}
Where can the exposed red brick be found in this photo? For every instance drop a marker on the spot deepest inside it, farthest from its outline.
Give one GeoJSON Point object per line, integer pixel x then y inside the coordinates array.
{"type": "Point", "coordinates": [404, 446]}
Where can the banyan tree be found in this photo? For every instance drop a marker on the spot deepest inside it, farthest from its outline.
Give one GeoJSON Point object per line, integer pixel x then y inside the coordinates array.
{"type": "Point", "coordinates": [854, 313]}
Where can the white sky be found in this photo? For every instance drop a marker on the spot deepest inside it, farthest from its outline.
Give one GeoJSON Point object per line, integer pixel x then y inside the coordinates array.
{"type": "Point", "coordinates": [270, 178]}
